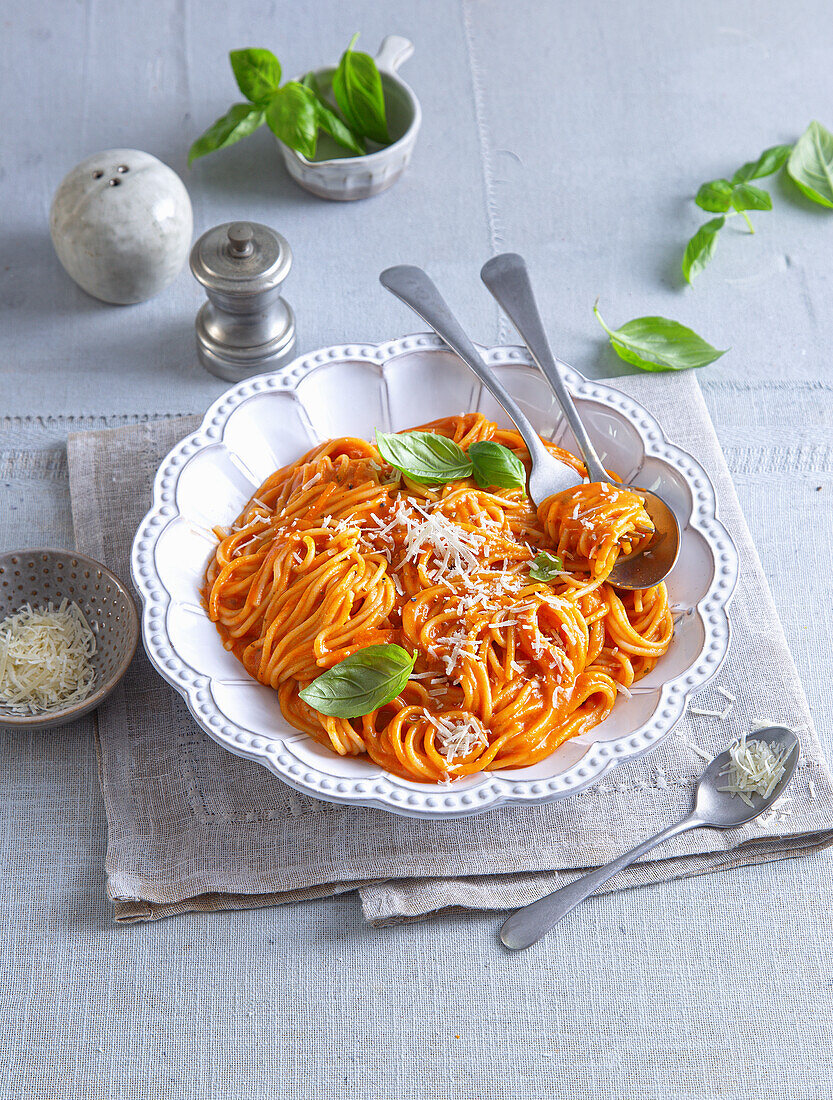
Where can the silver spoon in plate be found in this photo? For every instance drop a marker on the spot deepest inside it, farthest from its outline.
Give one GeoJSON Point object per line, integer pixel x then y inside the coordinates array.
{"type": "Point", "coordinates": [713, 808]}
{"type": "Point", "coordinates": [548, 475]}
{"type": "Point", "coordinates": [508, 281]}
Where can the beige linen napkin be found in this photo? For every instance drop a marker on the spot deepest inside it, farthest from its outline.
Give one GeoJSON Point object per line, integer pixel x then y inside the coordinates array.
{"type": "Point", "coordinates": [192, 827]}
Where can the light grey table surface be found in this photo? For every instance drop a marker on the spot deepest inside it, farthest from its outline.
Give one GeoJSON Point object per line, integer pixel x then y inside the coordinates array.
{"type": "Point", "coordinates": [575, 133]}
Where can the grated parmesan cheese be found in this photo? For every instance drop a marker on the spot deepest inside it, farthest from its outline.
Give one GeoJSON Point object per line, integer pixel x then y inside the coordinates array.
{"type": "Point", "coordinates": [699, 752]}
{"type": "Point", "coordinates": [458, 738]}
{"type": "Point", "coordinates": [755, 767]}
{"type": "Point", "coordinates": [45, 658]}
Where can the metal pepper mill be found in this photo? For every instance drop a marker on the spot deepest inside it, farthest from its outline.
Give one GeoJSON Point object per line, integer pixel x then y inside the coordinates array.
{"type": "Point", "coordinates": [245, 327]}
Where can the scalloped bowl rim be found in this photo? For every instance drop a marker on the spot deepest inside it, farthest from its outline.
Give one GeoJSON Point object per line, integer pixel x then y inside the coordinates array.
{"type": "Point", "coordinates": [382, 790]}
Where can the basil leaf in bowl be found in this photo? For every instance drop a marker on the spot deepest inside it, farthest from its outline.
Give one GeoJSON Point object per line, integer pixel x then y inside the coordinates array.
{"type": "Point", "coordinates": [292, 116]}
{"type": "Point", "coordinates": [357, 87]}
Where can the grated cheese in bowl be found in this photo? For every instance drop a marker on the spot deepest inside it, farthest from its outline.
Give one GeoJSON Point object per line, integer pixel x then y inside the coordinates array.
{"type": "Point", "coordinates": [755, 767]}
{"type": "Point", "coordinates": [45, 658]}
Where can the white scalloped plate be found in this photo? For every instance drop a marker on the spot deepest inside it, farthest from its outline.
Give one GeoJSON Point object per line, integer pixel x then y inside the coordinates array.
{"type": "Point", "coordinates": [268, 421]}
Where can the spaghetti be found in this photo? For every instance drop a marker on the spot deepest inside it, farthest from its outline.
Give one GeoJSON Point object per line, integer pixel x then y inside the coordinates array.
{"type": "Point", "coordinates": [338, 551]}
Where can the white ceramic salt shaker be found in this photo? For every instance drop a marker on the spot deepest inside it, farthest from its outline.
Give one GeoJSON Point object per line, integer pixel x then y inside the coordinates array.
{"type": "Point", "coordinates": [121, 223]}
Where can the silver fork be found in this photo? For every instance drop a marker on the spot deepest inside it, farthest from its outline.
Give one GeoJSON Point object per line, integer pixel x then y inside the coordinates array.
{"type": "Point", "coordinates": [415, 289]}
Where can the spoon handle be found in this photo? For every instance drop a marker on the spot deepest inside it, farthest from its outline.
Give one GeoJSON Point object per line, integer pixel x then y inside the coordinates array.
{"type": "Point", "coordinates": [526, 926]}
{"type": "Point", "coordinates": [507, 278]}
{"type": "Point", "coordinates": [413, 286]}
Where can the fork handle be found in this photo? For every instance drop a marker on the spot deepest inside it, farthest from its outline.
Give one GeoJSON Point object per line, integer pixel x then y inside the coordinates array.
{"type": "Point", "coordinates": [507, 279]}
{"type": "Point", "coordinates": [413, 286]}
{"type": "Point", "coordinates": [526, 926]}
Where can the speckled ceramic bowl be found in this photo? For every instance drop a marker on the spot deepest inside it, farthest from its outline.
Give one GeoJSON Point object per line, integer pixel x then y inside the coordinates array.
{"type": "Point", "coordinates": [40, 576]}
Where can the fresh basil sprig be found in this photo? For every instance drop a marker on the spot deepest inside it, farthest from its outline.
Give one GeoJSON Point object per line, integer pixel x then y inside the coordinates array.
{"type": "Point", "coordinates": [494, 465]}
{"type": "Point", "coordinates": [657, 344]}
{"type": "Point", "coordinates": [810, 166]}
{"type": "Point", "coordinates": [433, 459]}
{"type": "Point", "coordinates": [357, 87]}
{"type": "Point", "coordinates": [298, 110]}
{"type": "Point", "coordinates": [729, 197]}
{"type": "Point", "coordinates": [361, 682]}
{"type": "Point", "coordinates": [546, 567]}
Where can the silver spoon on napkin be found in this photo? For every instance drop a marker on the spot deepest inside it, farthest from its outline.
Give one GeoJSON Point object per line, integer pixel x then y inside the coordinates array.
{"type": "Point", "coordinates": [714, 807]}
{"type": "Point", "coordinates": [507, 279]}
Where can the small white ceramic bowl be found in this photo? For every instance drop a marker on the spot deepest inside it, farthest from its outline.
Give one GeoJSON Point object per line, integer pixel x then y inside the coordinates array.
{"type": "Point", "coordinates": [333, 176]}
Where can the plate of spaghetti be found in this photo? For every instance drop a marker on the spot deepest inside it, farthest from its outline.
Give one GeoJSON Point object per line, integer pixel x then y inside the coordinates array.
{"type": "Point", "coordinates": [343, 575]}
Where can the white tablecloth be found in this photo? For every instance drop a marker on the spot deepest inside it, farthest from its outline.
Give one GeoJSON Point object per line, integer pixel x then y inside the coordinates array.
{"type": "Point", "coordinates": [576, 135]}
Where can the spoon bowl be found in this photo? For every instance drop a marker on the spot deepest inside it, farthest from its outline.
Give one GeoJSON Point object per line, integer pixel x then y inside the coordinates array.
{"type": "Point", "coordinates": [723, 810]}
{"type": "Point", "coordinates": [647, 567]}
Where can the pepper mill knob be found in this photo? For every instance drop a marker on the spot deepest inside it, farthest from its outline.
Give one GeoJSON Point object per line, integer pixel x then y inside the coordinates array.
{"type": "Point", "coordinates": [240, 235]}
{"type": "Point", "coordinates": [245, 327]}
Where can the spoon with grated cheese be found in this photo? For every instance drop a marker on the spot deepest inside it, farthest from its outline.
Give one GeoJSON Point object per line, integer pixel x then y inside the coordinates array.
{"type": "Point", "coordinates": [737, 786]}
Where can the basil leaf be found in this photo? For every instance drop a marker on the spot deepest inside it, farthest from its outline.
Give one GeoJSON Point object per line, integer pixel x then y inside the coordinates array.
{"type": "Point", "coordinates": [811, 164]}
{"type": "Point", "coordinates": [545, 567]}
{"type": "Point", "coordinates": [361, 682]}
{"type": "Point", "coordinates": [657, 344]}
{"type": "Point", "coordinates": [257, 72]}
{"type": "Point", "coordinates": [240, 121]}
{"type": "Point", "coordinates": [495, 465]}
{"type": "Point", "coordinates": [292, 116]}
{"type": "Point", "coordinates": [715, 196]}
{"type": "Point", "coordinates": [747, 197]}
{"type": "Point", "coordinates": [425, 457]}
{"type": "Point", "coordinates": [700, 248]}
{"type": "Point", "coordinates": [330, 122]}
{"type": "Point", "coordinates": [357, 87]}
{"type": "Point", "coordinates": [767, 163]}
{"type": "Point", "coordinates": [310, 80]}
